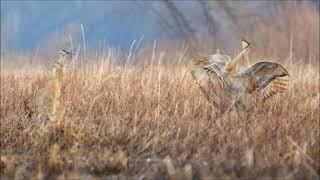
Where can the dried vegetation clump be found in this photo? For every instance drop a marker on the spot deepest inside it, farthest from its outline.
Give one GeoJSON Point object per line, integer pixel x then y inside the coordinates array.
{"type": "Point", "coordinates": [150, 121]}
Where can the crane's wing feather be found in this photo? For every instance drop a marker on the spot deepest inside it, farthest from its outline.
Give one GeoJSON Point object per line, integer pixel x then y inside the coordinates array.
{"type": "Point", "coordinates": [267, 78]}
{"type": "Point", "coordinates": [211, 86]}
{"type": "Point", "coordinates": [216, 64]}
{"type": "Point", "coordinates": [278, 85]}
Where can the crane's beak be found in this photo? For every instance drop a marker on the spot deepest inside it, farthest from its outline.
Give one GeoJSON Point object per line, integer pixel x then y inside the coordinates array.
{"type": "Point", "coordinates": [244, 43]}
{"type": "Point", "coordinates": [71, 53]}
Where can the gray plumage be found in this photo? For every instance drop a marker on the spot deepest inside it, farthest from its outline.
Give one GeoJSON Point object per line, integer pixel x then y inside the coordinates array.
{"type": "Point", "coordinates": [263, 78]}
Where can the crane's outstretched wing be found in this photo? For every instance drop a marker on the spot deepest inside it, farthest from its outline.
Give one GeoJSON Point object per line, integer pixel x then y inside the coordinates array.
{"type": "Point", "coordinates": [221, 65]}
{"type": "Point", "coordinates": [267, 78]}
{"type": "Point", "coordinates": [216, 64]}
{"type": "Point", "coordinates": [210, 86]}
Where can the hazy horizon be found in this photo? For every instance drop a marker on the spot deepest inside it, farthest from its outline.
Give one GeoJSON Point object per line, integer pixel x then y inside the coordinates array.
{"type": "Point", "coordinates": [28, 25]}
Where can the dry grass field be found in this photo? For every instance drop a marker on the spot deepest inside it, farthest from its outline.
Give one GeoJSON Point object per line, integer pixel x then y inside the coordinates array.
{"type": "Point", "coordinates": [151, 121]}
{"type": "Point", "coordinates": [140, 115]}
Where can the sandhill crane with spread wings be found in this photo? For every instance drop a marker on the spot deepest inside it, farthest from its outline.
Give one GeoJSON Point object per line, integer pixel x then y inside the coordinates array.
{"type": "Point", "coordinates": [263, 78]}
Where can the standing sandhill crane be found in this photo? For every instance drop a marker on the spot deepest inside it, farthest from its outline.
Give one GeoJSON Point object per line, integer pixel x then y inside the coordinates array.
{"type": "Point", "coordinates": [263, 78]}
{"type": "Point", "coordinates": [46, 100]}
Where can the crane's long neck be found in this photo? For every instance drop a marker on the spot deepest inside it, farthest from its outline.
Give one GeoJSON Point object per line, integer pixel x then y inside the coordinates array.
{"type": "Point", "coordinates": [235, 60]}
{"type": "Point", "coordinates": [57, 78]}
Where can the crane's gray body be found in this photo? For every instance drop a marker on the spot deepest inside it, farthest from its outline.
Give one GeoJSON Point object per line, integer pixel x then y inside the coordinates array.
{"type": "Point", "coordinates": [263, 78]}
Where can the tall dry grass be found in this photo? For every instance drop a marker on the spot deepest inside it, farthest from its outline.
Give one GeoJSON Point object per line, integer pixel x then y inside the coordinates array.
{"type": "Point", "coordinates": [151, 120]}
{"type": "Point", "coordinates": [146, 118]}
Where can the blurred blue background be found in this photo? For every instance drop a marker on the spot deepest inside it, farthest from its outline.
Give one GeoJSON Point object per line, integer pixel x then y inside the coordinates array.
{"type": "Point", "coordinates": [25, 25]}
{"type": "Point", "coordinates": [30, 25]}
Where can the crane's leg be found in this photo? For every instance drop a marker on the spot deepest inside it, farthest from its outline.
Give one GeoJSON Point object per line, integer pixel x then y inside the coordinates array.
{"type": "Point", "coordinates": [238, 108]}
